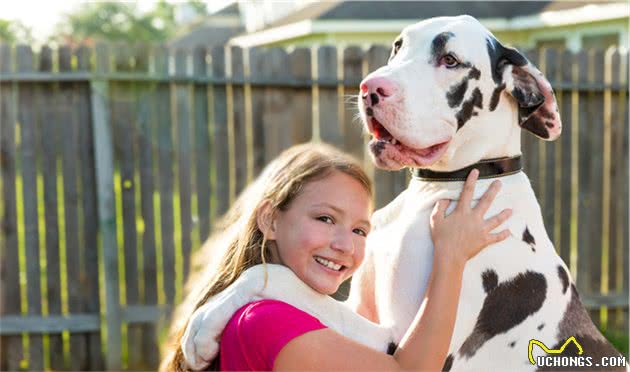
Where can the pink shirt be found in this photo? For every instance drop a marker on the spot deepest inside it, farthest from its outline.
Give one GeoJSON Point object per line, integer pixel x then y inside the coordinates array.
{"type": "Point", "coordinates": [258, 331]}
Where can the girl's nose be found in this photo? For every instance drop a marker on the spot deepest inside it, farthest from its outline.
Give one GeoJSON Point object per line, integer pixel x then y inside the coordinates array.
{"type": "Point", "coordinates": [343, 242]}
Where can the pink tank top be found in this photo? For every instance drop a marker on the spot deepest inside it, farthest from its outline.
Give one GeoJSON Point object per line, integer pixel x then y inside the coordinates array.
{"type": "Point", "coordinates": [258, 331]}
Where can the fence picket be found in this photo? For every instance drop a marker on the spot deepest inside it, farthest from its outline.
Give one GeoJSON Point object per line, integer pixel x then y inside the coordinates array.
{"type": "Point", "coordinates": [329, 129]}
{"type": "Point", "coordinates": [50, 126]}
{"type": "Point", "coordinates": [202, 144]}
{"type": "Point", "coordinates": [28, 163]}
{"type": "Point", "coordinates": [182, 109]}
{"type": "Point", "coordinates": [239, 149]}
{"type": "Point", "coordinates": [124, 132]}
{"type": "Point", "coordinates": [277, 118]}
{"type": "Point", "coordinates": [352, 126]}
{"type": "Point", "coordinates": [165, 172]}
{"type": "Point", "coordinates": [11, 352]}
{"type": "Point", "coordinates": [258, 68]}
{"type": "Point", "coordinates": [68, 127]}
{"type": "Point", "coordinates": [301, 98]}
{"type": "Point", "coordinates": [220, 155]}
{"type": "Point", "coordinates": [564, 97]}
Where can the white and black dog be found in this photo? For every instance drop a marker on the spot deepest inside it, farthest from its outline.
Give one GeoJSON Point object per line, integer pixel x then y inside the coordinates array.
{"type": "Point", "coordinates": [450, 98]}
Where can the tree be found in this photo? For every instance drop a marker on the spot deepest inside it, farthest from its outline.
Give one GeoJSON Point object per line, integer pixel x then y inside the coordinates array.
{"type": "Point", "coordinates": [120, 22]}
{"type": "Point", "coordinates": [12, 32]}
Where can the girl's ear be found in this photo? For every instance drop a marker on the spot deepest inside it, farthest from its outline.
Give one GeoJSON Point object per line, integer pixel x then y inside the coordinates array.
{"type": "Point", "coordinates": [266, 220]}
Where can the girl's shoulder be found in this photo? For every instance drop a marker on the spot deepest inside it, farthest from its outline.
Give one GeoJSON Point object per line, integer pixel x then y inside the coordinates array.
{"type": "Point", "coordinates": [259, 330]}
{"type": "Point", "coordinates": [263, 312]}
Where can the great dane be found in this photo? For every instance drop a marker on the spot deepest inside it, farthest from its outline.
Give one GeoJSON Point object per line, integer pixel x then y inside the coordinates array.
{"type": "Point", "coordinates": [450, 98]}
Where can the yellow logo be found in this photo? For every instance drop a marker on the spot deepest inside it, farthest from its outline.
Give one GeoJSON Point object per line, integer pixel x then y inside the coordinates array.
{"type": "Point", "coordinates": [552, 351]}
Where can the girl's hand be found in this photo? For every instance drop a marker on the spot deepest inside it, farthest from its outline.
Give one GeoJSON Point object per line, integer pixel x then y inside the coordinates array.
{"type": "Point", "coordinates": [464, 233]}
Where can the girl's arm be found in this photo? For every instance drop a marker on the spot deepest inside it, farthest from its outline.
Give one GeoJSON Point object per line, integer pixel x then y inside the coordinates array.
{"type": "Point", "coordinates": [457, 238]}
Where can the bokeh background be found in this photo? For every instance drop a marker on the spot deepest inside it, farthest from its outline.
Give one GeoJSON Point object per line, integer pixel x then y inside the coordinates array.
{"type": "Point", "coordinates": [127, 129]}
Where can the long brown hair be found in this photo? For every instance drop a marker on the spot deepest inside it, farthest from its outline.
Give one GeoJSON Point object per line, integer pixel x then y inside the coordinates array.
{"type": "Point", "coordinates": [238, 244]}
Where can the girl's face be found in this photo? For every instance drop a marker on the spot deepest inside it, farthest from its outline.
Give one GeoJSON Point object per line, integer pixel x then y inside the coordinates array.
{"type": "Point", "coordinates": [321, 236]}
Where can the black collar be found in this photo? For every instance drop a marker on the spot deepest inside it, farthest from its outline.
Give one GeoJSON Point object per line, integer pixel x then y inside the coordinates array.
{"type": "Point", "coordinates": [488, 168]}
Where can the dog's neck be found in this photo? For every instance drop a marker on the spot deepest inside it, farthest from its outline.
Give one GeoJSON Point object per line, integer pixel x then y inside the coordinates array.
{"type": "Point", "coordinates": [492, 134]}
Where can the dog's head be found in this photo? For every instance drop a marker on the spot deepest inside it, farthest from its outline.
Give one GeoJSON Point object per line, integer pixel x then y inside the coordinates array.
{"type": "Point", "coordinates": [451, 95]}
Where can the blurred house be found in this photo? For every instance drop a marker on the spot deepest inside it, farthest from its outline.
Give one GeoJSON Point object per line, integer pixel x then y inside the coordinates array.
{"type": "Point", "coordinates": [573, 25]}
{"type": "Point", "coordinates": [210, 31]}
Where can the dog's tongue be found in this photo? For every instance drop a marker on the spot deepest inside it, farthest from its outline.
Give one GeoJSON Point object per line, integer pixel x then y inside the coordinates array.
{"type": "Point", "coordinates": [380, 132]}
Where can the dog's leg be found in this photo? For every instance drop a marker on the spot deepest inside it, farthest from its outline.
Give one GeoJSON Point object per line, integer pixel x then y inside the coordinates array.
{"type": "Point", "coordinates": [362, 297]}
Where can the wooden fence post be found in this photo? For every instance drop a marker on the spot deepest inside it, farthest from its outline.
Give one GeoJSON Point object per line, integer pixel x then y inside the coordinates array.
{"type": "Point", "coordinates": [104, 163]}
{"type": "Point", "coordinates": [90, 267]}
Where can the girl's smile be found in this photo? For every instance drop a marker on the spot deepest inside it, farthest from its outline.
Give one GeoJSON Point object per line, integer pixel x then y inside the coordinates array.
{"type": "Point", "coordinates": [321, 235]}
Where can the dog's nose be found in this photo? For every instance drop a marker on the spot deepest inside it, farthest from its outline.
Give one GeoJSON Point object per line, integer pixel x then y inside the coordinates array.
{"type": "Point", "coordinates": [375, 90]}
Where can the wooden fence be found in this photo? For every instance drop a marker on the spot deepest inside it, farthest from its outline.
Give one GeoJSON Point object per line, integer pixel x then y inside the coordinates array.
{"type": "Point", "coordinates": [116, 161]}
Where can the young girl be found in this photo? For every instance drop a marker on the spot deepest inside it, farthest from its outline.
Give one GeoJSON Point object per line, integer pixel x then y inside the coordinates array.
{"type": "Point", "coordinates": [310, 211]}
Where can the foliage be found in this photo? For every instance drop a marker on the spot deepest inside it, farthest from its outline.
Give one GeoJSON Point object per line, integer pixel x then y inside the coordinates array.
{"type": "Point", "coordinates": [121, 22]}
{"type": "Point", "coordinates": [12, 32]}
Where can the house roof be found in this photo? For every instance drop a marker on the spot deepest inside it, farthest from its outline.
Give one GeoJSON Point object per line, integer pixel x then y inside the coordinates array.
{"type": "Point", "coordinates": [416, 10]}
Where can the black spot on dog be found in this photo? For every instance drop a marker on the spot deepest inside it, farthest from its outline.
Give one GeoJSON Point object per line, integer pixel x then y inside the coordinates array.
{"type": "Point", "coordinates": [369, 111]}
{"type": "Point", "coordinates": [466, 112]}
{"type": "Point", "coordinates": [455, 95]}
{"type": "Point", "coordinates": [509, 304]}
{"type": "Point", "coordinates": [378, 147]}
{"type": "Point", "coordinates": [548, 124]}
{"type": "Point", "coordinates": [448, 363]}
{"type": "Point", "coordinates": [529, 239]}
{"type": "Point", "coordinates": [500, 57]}
{"type": "Point", "coordinates": [438, 46]}
{"type": "Point", "coordinates": [535, 125]}
{"type": "Point", "coordinates": [496, 95]}
{"type": "Point", "coordinates": [490, 280]}
{"type": "Point", "coordinates": [511, 344]}
{"type": "Point", "coordinates": [541, 326]}
{"type": "Point", "coordinates": [474, 73]}
{"type": "Point", "coordinates": [576, 322]}
{"type": "Point", "coordinates": [564, 278]}
{"type": "Point", "coordinates": [391, 348]}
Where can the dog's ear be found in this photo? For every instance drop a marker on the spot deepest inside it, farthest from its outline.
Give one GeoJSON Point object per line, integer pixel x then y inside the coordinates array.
{"type": "Point", "coordinates": [538, 110]}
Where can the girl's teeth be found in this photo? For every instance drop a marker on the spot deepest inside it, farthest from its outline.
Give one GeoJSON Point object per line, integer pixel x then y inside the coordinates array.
{"type": "Point", "coordinates": [328, 264]}
{"type": "Point", "coordinates": [394, 141]}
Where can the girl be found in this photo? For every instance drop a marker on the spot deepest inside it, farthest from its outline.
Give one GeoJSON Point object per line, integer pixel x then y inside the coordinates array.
{"type": "Point", "coordinates": [310, 212]}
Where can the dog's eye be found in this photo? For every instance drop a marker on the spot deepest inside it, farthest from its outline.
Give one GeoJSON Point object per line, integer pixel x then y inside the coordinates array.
{"type": "Point", "coordinates": [397, 45]}
{"type": "Point", "coordinates": [449, 61]}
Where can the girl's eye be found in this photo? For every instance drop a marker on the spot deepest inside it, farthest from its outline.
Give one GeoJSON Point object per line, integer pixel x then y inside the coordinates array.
{"type": "Point", "coordinates": [449, 61]}
{"type": "Point", "coordinates": [326, 219]}
{"type": "Point", "coordinates": [360, 232]}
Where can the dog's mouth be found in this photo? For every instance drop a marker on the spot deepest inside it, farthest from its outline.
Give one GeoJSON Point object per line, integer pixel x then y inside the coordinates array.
{"type": "Point", "coordinates": [391, 153]}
